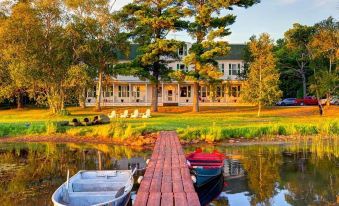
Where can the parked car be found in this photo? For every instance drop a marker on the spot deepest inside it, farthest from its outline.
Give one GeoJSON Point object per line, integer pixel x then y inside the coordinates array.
{"type": "Point", "coordinates": [288, 102]}
{"type": "Point", "coordinates": [334, 100]}
{"type": "Point", "coordinates": [307, 101]}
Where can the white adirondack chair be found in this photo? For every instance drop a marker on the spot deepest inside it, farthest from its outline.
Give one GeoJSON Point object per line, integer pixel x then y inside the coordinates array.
{"type": "Point", "coordinates": [135, 114]}
{"type": "Point", "coordinates": [125, 114]}
{"type": "Point", "coordinates": [112, 115]}
{"type": "Point", "coordinates": [147, 114]}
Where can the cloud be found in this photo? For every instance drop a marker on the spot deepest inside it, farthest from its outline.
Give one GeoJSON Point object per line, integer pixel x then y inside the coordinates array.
{"type": "Point", "coordinates": [320, 3]}
{"type": "Point", "coordinates": [119, 4]}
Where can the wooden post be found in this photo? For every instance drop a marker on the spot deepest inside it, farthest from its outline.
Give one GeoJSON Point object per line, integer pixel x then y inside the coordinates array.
{"type": "Point", "coordinates": [178, 93]}
{"type": "Point", "coordinates": [162, 93]}
{"type": "Point", "coordinates": [113, 94]}
{"type": "Point", "coordinates": [129, 92]}
{"type": "Point", "coordinates": [146, 93]}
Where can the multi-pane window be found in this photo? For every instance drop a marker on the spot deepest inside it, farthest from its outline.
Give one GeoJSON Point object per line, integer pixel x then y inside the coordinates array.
{"type": "Point", "coordinates": [220, 91]}
{"type": "Point", "coordinates": [185, 91]}
{"type": "Point", "coordinates": [235, 91]}
{"type": "Point", "coordinates": [108, 92]}
{"type": "Point", "coordinates": [222, 68]}
{"type": "Point", "coordinates": [92, 92]}
{"type": "Point", "coordinates": [123, 91]}
{"type": "Point", "coordinates": [203, 91]}
{"type": "Point", "coordinates": [182, 67]}
{"type": "Point", "coordinates": [183, 51]}
{"type": "Point", "coordinates": [234, 69]}
{"type": "Point", "coordinates": [136, 92]}
{"type": "Point", "coordinates": [159, 91]}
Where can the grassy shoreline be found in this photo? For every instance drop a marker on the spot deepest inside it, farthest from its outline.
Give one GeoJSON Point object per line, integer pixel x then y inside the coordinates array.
{"type": "Point", "coordinates": [212, 124]}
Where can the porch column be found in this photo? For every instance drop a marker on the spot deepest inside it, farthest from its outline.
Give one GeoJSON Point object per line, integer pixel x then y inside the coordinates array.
{"type": "Point", "coordinates": [162, 93]}
{"type": "Point", "coordinates": [146, 93]}
{"type": "Point", "coordinates": [113, 94]}
{"type": "Point", "coordinates": [130, 92]}
{"type": "Point", "coordinates": [192, 92]}
{"type": "Point", "coordinates": [178, 92]}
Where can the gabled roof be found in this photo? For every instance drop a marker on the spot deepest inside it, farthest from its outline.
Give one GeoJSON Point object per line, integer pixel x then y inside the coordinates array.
{"type": "Point", "coordinates": [236, 53]}
{"type": "Point", "coordinates": [132, 54]}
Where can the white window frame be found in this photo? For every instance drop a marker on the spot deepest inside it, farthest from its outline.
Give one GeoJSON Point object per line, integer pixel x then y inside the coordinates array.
{"type": "Point", "coordinates": [188, 91]}
{"type": "Point", "coordinates": [123, 90]}
{"type": "Point", "coordinates": [234, 69]}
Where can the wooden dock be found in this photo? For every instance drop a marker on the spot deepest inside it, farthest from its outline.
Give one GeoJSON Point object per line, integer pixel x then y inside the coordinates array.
{"type": "Point", "coordinates": [167, 180]}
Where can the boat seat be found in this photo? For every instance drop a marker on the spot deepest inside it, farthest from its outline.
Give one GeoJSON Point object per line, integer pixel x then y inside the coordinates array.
{"type": "Point", "coordinates": [96, 186]}
{"type": "Point", "coordinates": [77, 199]}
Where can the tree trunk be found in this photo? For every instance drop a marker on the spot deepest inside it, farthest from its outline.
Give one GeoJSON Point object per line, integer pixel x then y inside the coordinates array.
{"type": "Point", "coordinates": [260, 92]}
{"type": "Point", "coordinates": [154, 105]}
{"type": "Point", "coordinates": [62, 101]}
{"type": "Point", "coordinates": [82, 99]}
{"type": "Point", "coordinates": [196, 97]}
{"type": "Point", "coordinates": [328, 97]}
{"type": "Point", "coordinates": [259, 109]}
{"type": "Point", "coordinates": [55, 99]}
{"type": "Point", "coordinates": [19, 101]}
{"type": "Point", "coordinates": [98, 102]}
{"type": "Point", "coordinates": [303, 77]}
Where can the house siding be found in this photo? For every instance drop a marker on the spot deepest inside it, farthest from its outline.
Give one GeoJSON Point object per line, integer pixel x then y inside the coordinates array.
{"type": "Point", "coordinates": [226, 93]}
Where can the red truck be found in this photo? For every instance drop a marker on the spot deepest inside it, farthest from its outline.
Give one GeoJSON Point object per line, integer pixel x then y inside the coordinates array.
{"type": "Point", "coordinates": [307, 101]}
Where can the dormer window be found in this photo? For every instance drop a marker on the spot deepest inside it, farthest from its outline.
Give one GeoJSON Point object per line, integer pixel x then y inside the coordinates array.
{"type": "Point", "coordinates": [234, 69]}
{"type": "Point", "coordinates": [182, 67]}
{"type": "Point", "coordinates": [222, 68]}
{"type": "Point", "coordinates": [183, 51]}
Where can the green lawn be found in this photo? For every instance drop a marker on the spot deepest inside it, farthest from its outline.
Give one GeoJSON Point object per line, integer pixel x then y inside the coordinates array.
{"type": "Point", "coordinates": [219, 121]}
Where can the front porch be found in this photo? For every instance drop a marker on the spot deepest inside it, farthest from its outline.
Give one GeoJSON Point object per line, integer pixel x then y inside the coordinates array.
{"type": "Point", "coordinates": [169, 94]}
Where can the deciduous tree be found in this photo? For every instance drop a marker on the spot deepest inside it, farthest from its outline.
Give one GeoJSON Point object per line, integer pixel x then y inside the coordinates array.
{"type": "Point", "coordinates": [102, 38]}
{"type": "Point", "coordinates": [297, 44]}
{"type": "Point", "coordinates": [325, 44]}
{"type": "Point", "coordinates": [262, 85]}
{"type": "Point", "coordinates": [19, 34]}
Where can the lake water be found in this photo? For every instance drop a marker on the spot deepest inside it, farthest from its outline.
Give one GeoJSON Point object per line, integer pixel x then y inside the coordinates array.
{"type": "Point", "coordinates": [253, 175]}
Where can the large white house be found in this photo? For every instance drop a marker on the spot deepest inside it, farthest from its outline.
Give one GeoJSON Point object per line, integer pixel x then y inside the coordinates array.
{"type": "Point", "coordinates": [131, 91]}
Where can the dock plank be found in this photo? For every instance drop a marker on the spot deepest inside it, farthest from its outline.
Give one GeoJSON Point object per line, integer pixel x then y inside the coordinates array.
{"type": "Point", "coordinates": [167, 180]}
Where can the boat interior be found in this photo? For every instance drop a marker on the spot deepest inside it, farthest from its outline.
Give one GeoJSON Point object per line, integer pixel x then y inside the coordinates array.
{"type": "Point", "coordinates": [95, 187]}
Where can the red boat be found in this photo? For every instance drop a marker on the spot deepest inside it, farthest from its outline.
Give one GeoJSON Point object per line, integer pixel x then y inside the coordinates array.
{"type": "Point", "coordinates": [205, 166]}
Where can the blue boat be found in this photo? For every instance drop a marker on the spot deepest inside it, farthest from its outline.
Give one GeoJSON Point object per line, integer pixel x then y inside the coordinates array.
{"type": "Point", "coordinates": [205, 166]}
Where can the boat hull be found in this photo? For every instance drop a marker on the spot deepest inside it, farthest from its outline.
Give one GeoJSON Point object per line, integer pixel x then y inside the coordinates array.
{"type": "Point", "coordinates": [95, 188]}
{"type": "Point", "coordinates": [205, 175]}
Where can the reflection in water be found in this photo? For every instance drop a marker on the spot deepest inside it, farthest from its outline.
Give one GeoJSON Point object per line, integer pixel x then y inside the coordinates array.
{"type": "Point", "coordinates": [278, 175]}
{"type": "Point", "coordinates": [254, 175]}
{"type": "Point", "coordinates": [30, 173]}
{"type": "Point", "coordinates": [208, 192]}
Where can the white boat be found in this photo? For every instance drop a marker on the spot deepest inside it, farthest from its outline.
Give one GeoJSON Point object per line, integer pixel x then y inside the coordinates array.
{"type": "Point", "coordinates": [95, 188]}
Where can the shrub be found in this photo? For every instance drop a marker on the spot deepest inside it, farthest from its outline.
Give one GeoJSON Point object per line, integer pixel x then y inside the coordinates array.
{"type": "Point", "coordinates": [64, 112]}
{"type": "Point", "coordinates": [55, 127]}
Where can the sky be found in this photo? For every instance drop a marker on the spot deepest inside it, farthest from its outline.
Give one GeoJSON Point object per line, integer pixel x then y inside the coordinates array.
{"type": "Point", "coordinates": [271, 16]}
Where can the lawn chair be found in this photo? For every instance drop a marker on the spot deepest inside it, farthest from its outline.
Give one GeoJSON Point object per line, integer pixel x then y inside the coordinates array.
{"type": "Point", "coordinates": [112, 115]}
{"type": "Point", "coordinates": [125, 114]}
{"type": "Point", "coordinates": [135, 114]}
{"type": "Point", "coordinates": [147, 114]}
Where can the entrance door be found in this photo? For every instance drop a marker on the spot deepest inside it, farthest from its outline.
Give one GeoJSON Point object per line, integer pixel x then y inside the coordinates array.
{"type": "Point", "coordinates": [170, 95]}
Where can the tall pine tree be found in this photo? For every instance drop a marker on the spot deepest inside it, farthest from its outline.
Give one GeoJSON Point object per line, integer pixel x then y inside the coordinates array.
{"type": "Point", "coordinates": [209, 21]}
{"type": "Point", "coordinates": [262, 85]}
{"type": "Point", "coordinates": [149, 22]}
